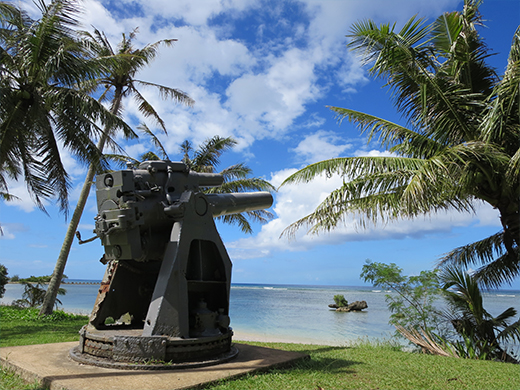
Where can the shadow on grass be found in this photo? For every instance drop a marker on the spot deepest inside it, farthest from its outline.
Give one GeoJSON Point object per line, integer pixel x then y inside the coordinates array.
{"type": "Point", "coordinates": [315, 364]}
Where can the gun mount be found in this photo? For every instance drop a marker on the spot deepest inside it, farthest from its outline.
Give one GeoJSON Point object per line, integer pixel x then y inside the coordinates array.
{"type": "Point", "coordinates": [165, 293]}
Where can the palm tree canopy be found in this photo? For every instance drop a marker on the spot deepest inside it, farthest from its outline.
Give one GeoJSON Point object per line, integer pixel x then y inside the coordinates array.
{"type": "Point", "coordinates": [121, 81]}
{"type": "Point", "coordinates": [460, 143]}
{"type": "Point", "coordinates": [42, 62]}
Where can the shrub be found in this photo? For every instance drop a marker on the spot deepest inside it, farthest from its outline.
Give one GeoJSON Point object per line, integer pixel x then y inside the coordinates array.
{"type": "Point", "coordinates": [340, 301]}
{"type": "Point", "coordinates": [3, 279]}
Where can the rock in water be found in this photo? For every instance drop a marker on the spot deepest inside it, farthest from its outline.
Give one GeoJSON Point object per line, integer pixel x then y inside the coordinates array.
{"type": "Point", "coordinates": [354, 306]}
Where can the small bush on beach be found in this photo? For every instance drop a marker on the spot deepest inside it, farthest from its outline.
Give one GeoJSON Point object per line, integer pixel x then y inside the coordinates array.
{"type": "Point", "coordinates": [465, 330]}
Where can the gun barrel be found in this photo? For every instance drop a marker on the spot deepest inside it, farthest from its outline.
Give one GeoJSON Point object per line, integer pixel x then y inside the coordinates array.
{"type": "Point", "coordinates": [224, 204]}
{"type": "Point", "coordinates": [208, 179]}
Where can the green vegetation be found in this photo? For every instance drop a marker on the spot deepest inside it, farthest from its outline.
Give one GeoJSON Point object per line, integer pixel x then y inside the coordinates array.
{"type": "Point", "coordinates": [483, 336]}
{"type": "Point", "coordinates": [340, 301]}
{"type": "Point", "coordinates": [42, 65]}
{"type": "Point", "coordinates": [459, 145]}
{"type": "Point", "coordinates": [377, 366]}
{"type": "Point", "coordinates": [236, 177]}
{"type": "Point", "coordinates": [412, 304]}
{"type": "Point", "coordinates": [361, 365]}
{"type": "Point", "coordinates": [34, 289]}
{"type": "Point", "coordinates": [3, 279]}
{"type": "Point", "coordinates": [24, 326]}
{"type": "Point", "coordinates": [34, 294]}
{"type": "Point", "coordinates": [466, 330]}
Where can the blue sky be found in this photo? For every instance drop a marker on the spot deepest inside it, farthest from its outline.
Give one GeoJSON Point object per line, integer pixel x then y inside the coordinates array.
{"type": "Point", "coordinates": [264, 72]}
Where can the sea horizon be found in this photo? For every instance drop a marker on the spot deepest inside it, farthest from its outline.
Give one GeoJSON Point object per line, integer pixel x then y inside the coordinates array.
{"type": "Point", "coordinates": [291, 285]}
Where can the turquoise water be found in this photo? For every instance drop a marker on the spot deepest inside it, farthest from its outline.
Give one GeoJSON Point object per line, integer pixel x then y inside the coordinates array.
{"type": "Point", "coordinates": [291, 312]}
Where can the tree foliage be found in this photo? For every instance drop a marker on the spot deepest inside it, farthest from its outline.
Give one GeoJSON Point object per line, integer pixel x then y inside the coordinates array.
{"type": "Point", "coordinates": [118, 81]}
{"type": "Point", "coordinates": [42, 65]}
{"type": "Point", "coordinates": [483, 335]}
{"type": "Point", "coordinates": [460, 144]}
{"type": "Point", "coordinates": [340, 300]}
{"type": "Point", "coordinates": [34, 292]}
{"type": "Point", "coordinates": [3, 279]}
{"type": "Point", "coordinates": [412, 301]}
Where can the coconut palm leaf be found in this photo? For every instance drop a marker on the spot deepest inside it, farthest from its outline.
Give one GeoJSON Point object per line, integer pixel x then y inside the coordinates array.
{"type": "Point", "coordinates": [155, 141]}
{"type": "Point", "coordinates": [207, 155]}
{"type": "Point", "coordinates": [503, 269]}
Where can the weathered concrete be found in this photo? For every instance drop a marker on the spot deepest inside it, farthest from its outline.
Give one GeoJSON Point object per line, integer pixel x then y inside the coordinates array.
{"type": "Point", "coordinates": [51, 366]}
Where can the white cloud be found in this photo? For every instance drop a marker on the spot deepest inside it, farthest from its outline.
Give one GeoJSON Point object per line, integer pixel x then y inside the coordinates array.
{"type": "Point", "coordinates": [373, 153]}
{"type": "Point", "coordinates": [320, 146]}
{"type": "Point", "coordinates": [293, 202]}
{"type": "Point", "coordinates": [10, 230]}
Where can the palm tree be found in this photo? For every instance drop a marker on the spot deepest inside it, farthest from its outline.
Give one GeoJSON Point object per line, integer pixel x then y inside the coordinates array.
{"type": "Point", "coordinates": [34, 292]}
{"type": "Point", "coordinates": [460, 145]}
{"type": "Point", "coordinates": [482, 333]}
{"type": "Point", "coordinates": [41, 63]}
{"type": "Point", "coordinates": [120, 82]}
{"type": "Point", "coordinates": [236, 177]}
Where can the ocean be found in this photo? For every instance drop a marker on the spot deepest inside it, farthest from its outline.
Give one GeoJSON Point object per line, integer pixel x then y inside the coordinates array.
{"type": "Point", "coordinates": [291, 313]}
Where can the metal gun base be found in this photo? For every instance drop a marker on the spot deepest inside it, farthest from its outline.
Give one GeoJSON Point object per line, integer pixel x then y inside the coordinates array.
{"type": "Point", "coordinates": [127, 349]}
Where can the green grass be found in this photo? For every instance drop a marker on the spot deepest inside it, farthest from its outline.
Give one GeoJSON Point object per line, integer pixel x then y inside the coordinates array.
{"type": "Point", "coordinates": [378, 366]}
{"type": "Point", "coordinates": [23, 327]}
{"type": "Point", "coordinates": [360, 366]}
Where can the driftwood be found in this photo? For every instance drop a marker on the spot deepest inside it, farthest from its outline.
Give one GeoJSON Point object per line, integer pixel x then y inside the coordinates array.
{"type": "Point", "coordinates": [423, 340]}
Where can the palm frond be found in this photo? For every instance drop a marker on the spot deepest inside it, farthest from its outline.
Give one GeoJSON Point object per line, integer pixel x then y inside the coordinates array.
{"type": "Point", "coordinates": [479, 252]}
{"type": "Point", "coordinates": [208, 153]}
{"type": "Point", "coordinates": [120, 160]}
{"type": "Point", "coordinates": [237, 219]}
{"type": "Point", "coordinates": [510, 332]}
{"type": "Point", "coordinates": [169, 93]}
{"type": "Point", "coordinates": [156, 142]}
{"type": "Point", "coordinates": [406, 142]}
{"type": "Point", "coordinates": [504, 269]}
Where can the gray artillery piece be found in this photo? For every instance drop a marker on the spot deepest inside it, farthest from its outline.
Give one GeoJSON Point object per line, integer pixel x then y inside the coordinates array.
{"type": "Point", "coordinates": [165, 293]}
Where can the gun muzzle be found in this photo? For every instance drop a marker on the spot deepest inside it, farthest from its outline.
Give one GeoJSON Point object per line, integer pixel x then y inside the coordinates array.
{"type": "Point", "coordinates": [224, 204]}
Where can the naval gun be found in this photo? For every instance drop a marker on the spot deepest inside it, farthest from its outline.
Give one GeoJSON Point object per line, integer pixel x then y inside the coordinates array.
{"type": "Point", "coordinates": [165, 292]}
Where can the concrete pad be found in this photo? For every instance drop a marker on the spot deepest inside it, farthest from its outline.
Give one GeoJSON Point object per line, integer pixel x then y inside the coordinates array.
{"type": "Point", "coordinates": [51, 365]}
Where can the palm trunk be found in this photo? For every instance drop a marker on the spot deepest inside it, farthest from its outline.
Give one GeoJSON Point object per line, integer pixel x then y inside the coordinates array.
{"type": "Point", "coordinates": [55, 282]}
{"type": "Point", "coordinates": [510, 219]}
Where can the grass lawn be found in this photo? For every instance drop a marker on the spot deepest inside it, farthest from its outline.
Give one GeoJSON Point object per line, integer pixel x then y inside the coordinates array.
{"type": "Point", "coordinates": [360, 366]}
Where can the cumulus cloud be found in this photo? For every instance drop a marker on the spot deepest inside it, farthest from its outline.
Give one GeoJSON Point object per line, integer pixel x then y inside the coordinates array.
{"type": "Point", "coordinates": [320, 146]}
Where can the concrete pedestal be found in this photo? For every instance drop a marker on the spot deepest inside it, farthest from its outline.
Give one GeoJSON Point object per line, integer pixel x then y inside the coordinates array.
{"type": "Point", "coordinates": [51, 366]}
